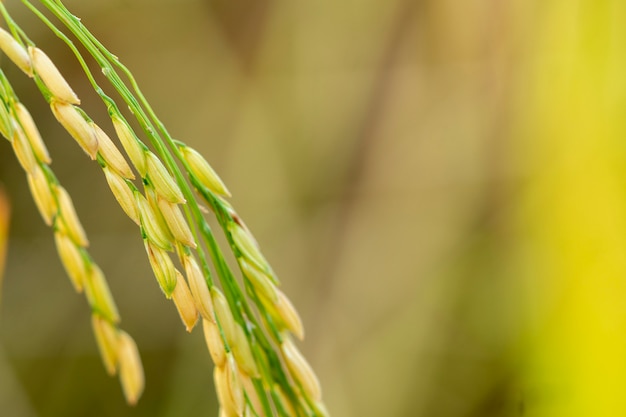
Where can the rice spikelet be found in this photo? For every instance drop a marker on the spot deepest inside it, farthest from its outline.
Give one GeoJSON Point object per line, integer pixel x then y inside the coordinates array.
{"type": "Point", "coordinates": [289, 315]}
{"type": "Point", "coordinates": [131, 371]}
{"type": "Point", "coordinates": [203, 171]}
{"type": "Point", "coordinates": [69, 217]}
{"type": "Point", "coordinates": [99, 294]}
{"type": "Point", "coordinates": [199, 288]}
{"type": "Point", "coordinates": [176, 222]}
{"type": "Point", "coordinates": [16, 52]}
{"type": "Point", "coordinates": [214, 342]}
{"type": "Point", "coordinates": [152, 223]}
{"type": "Point", "coordinates": [243, 353]}
{"type": "Point", "coordinates": [260, 281]}
{"type": "Point", "coordinates": [184, 303]}
{"type": "Point", "coordinates": [163, 182]}
{"type": "Point", "coordinates": [130, 143]}
{"type": "Point", "coordinates": [42, 194]}
{"type": "Point", "coordinates": [123, 194]}
{"type": "Point", "coordinates": [108, 343]}
{"type": "Point", "coordinates": [111, 154]}
{"type": "Point", "coordinates": [51, 77]}
{"type": "Point", "coordinates": [247, 246]}
{"type": "Point", "coordinates": [76, 125]}
{"type": "Point", "coordinates": [71, 259]}
{"type": "Point", "coordinates": [224, 315]}
{"type": "Point", "coordinates": [301, 370]}
{"type": "Point", "coordinates": [162, 267]}
{"type": "Point", "coordinates": [32, 133]}
{"type": "Point", "coordinates": [22, 149]}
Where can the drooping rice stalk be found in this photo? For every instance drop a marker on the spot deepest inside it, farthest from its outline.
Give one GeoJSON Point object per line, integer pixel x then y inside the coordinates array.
{"type": "Point", "coordinates": [56, 208]}
{"type": "Point", "coordinates": [258, 369]}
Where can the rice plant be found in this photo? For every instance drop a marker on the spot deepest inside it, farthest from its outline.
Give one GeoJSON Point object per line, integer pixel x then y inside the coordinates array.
{"type": "Point", "coordinates": [248, 322]}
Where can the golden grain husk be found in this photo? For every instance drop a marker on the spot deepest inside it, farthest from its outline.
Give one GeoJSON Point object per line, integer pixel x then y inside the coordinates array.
{"type": "Point", "coordinates": [153, 224]}
{"type": "Point", "coordinates": [199, 287]}
{"type": "Point", "coordinates": [51, 77]}
{"type": "Point", "coordinates": [285, 402]}
{"type": "Point", "coordinates": [76, 125]}
{"type": "Point", "coordinates": [69, 217]}
{"type": "Point", "coordinates": [99, 295]}
{"type": "Point", "coordinates": [162, 266]}
{"type": "Point", "coordinates": [243, 353]}
{"type": "Point", "coordinates": [131, 370]}
{"type": "Point", "coordinates": [108, 343]}
{"type": "Point", "coordinates": [176, 222]}
{"type": "Point", "coordinates": [229, 388]}
{"type": "Point", "coordinates": [262, 283]}
{"type": "Point", "coordinates": [42, 194]}
{"type": "Point", "coordinates": [23, 150]}
{"type": "Point", "coordinates": [234, 384]}
{"type": "Point", "coordinates": [214, 342]}
{"type": "Point", "coordinates": [251, 393]}
{"type": "Point", "coordinates": [123, 194]}
{"type": "Point", "coordinates": [227, 404]}
{"type": "Point", "coordinates": [6, 129]}
{"type": "Point", "coordinates": [111, 154]}
{"type": "Point", "coordinates": [203, 171]}
{"type": "Point", "coordinates": [32, 133]}
{"type": "Point", "coordinates": [289, 315]}
{"type": "Point", "coordinates": [184, 303]}
{"type": "Point", "coordinates": [301, 370]}
{"type": "Point", "coordinates": [16, 52]}
{"type": "Point", "coordinates": [247, 246]}
{"type": "Point", "coordinates": [224, 315]}
{"type": "Point", "coordinates": [131, 144]}
{"type": "Point", "coordinates": [162, 181]}
{"type": "Point", "coordinates": [71, 259]}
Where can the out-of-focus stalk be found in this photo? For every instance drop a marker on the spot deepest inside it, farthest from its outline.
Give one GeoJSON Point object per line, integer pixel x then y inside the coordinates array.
{"type": "Point", "coordinates": [4, 232]}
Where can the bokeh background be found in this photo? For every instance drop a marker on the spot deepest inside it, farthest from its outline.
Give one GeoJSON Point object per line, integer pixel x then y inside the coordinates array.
{"type": "Point", "coordinates": [440, 185]}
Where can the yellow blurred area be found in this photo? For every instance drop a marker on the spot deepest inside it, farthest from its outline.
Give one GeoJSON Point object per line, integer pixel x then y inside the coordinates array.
{"type": "Point", "coordinates": [573, 211]}
{"type": "Point", "coordinates": [440, 186]}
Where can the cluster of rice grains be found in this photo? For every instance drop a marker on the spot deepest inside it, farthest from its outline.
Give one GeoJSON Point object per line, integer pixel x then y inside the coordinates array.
{"type": "Point", "coordinates": [258, 369]}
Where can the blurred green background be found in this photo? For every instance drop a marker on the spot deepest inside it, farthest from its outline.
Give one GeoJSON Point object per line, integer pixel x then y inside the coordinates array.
{"type": "Point", "coordinates": [390, 157]}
